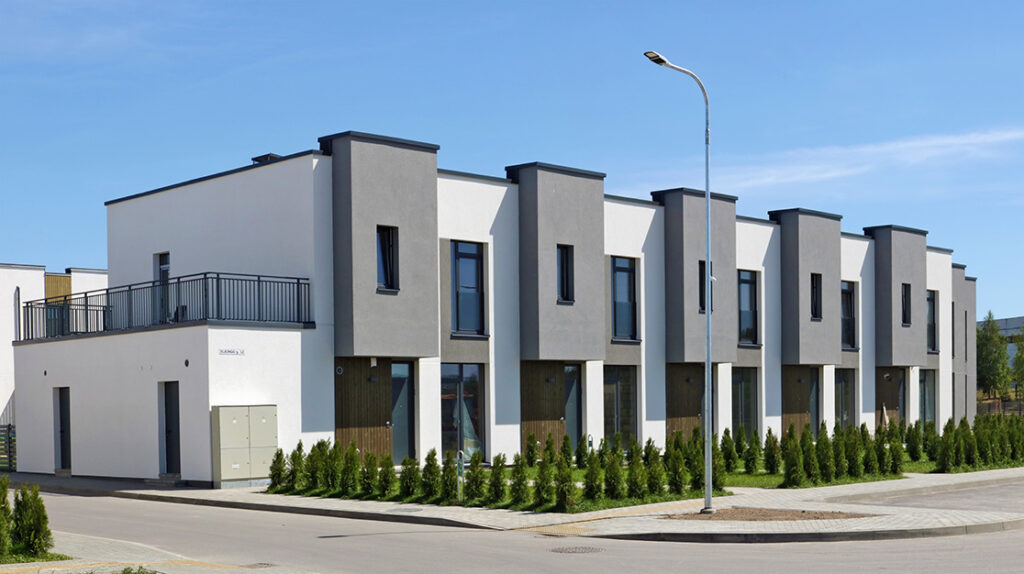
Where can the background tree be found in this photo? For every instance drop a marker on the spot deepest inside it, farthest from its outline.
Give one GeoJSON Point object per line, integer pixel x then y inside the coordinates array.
{"type": "Point", "coordinates": [1017, 370]}
{"type": "Point", "coordinates": [993, 359]}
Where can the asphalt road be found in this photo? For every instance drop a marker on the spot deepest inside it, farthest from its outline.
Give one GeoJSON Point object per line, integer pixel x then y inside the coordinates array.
{"type": "Point", "coordinates": [297, 543]}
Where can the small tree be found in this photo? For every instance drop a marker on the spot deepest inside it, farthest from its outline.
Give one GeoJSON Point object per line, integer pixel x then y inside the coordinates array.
{"type": "Point", "coordinates": [348, 477]}
{"type": "Point", "coordinates": [870, 457]}
{"type": "Point", "coordinates": [566, 493]}
{"type": "Point", "coordinates": [914, 441]}
{"type": "Point", "coordinates": [316, 465]}
{"type": "Point", "coordinates": [335, 459]}
{"type": "Point", "coordinates": [854, 454]}
{"type": "Point", "coordinates": [476, 479]}
{"type": "Point", "coordinates": [368, 475]}
{"type": "Point", "coordinates": [543, 485]}
{"type": "Point", "coordinates": [31, 525]}
{"type": "Point", "coordinates": [945, 458]}
{"type": "Point", "coordinates": [430, 481]}
{"type": "Point", "coordinates": [592, 480]}
{"type": "Point", "coordinates": [811, 468]}
{"type": "Point", "coordinates": [794, 464]}
{"type": "Point", "coordinates": [634, 452]}
{"type": "Point", "coordinates": [729, 451]}
{"type": "Point", "coordinates": [655, 473]}
{"type": "Point", "coordinates": [970, 443]}
{"type": "Point", "coordinates": [741, 441]}
{"type": "Point", "coordinates": [826, 458]}
{"type": "Point", "coordinates": [6, 516]}
{"type": "Point", "coordinates": [896, 456]}
{"type": "Point", "coordinates": [602, 452]}
{"type": "Point", "coordinates": [581, 452]}
{"type": "Point", "coordinates": [530, 452]}
{"type": "Point", "coordinates": [496, 485]}
{"type": "Point", "coordinates": [839, 451]}
{"type": "Point", "coordinates": [992, 359]}
{"type": "Point", "coordinates": [650, 450]}
{"type": "Point", "coordinates": [409, 480]}
{"type": "Point", "coordinates": [386, 477]}
{"type": "Point", "coordinates": [772, 453]}
{"type": "Point", "coordinates": [567, 452]}
{"type": "Point", "coordinates": [751, 456]}
{"type": "Point", "coordinates": [449, 479]}
{"type": "Point", "coordinates": [295, 478]}
{"type": "Point", "coordinates": [278, 471]}
{"type": "Point", "coordinates": [519, 490]}
{"type": "Point", "coordinates": [931, 441]}
{"type": "Point", "coordinates": [549, 450]}
{"type": "Point", "coordinates": [636, 479]}
{"type": "Point", "coordinates": [614, 482]}
{"type": "Point", "coordinates": [676, 468]}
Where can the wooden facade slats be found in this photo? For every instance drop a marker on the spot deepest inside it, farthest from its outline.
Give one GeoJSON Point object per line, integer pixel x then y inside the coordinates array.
{"type": "Point", "coordinates": [542, 400]}
{"type": "Point", "coordinates": [362, 404]}
{"type": "Point", "coordinates": [684, 396]}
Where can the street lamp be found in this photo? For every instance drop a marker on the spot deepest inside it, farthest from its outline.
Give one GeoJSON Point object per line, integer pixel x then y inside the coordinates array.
{"type": "Point", "coordinates": [661, 61]}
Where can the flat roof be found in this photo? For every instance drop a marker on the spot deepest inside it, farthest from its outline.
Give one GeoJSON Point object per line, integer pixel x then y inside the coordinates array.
{"type": "Point", "coordinates": [21, 266]}
{"type": "Point", "coordinates": [641, 201]}
{"type": "Point", "coordinates": [84, 270]}
{"type": "Point", "coordinates": [804, 211]}
{"type": "Point", "coordinates": [939, 249]}
{"type": "Point", "coordinates": [904, 229]}
{"type": "Point", "coordinates": [755, 219]}
{"type": "Point", "coordinates": [513, 170]}
{"type": "Point", "coordinates": [959, 265]}
{"type": "Point", "coordinates": [325, 141]}
{"type": "Point", "coordinates": [658, 195]}
{"type": "Point", "coordinates": [469, 175]}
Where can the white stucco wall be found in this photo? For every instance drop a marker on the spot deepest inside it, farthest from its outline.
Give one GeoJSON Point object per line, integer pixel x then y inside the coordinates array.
{"type": "Point", "coordinates": [858, 264]}
{"type": "Point", "coordinates": [940, 278]}
{"type": "Point", "coordinates": [637, 230]}
{"type": "Point", "coordinates": [486, 212]}
{"type": "Point", "coordinates": [758, 248]}
{"type": "Point", "coordinates": [18, 285]}
{"type": "Point", "coordinates": [83, 280]}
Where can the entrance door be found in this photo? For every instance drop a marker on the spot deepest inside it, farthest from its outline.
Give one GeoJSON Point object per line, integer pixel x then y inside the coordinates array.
{"type": "Point", "coordinates": [800, 394]}
{"type": "Point", "coordinates": [542, 400]}
{"type": "Point", "coordinates": [462, 408]}
{"type": "Point", "coordinates": [620, 403]}
{"type": "Point", "coordinates": [684, 390]}
{"type": "Point", "coordinates": [403, 411]}
{"type": "Point", "coordinates": [172, 434]}
{"type": "Point", "coordinates": [362, 403]}
{"type": "Point", "coordinates": [63, 455]}
{"type": "Point", "coordinates": [573, 403]}
{"type": "Point", "coordinates": [890, 392]}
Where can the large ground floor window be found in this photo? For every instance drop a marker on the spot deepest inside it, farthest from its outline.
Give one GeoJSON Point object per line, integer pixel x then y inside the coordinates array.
{"type": "Point", "coordinates": [890, 394]}
{"type": "Point", "coordinates": [620, 403]}
{"type": "Point", "coordinates": [744, 399]}
{"type": "Point", "coordinates": [462, 408]}
{"type": "Point", "coordinates": [927, 396]}
{"type": "Point", "coordinates": [846, 382]}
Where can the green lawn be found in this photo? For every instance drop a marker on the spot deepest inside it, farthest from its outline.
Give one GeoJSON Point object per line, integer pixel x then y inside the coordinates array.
{"type": "Point", "coordinates": [18, 558]}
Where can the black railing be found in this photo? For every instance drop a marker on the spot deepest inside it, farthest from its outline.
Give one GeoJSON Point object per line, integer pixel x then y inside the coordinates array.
{"type": "Point", "coordinates": [218, 296]}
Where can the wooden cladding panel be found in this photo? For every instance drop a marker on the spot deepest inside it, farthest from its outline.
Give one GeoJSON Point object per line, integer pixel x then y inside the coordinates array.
{"type": "Point", "coordinates": [362, 404]}
{"type": "Point", "coordinates": [542, 400]}
{"type": "Point", "coordinates": [57, 286]}
{"type": "Point", "coordinates": [796, 396]}
{"type": "Point", "coordinates": [684, 396]}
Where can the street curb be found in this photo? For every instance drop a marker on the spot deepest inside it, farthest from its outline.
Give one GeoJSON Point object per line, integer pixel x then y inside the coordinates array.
{"type": "Point", "coordinates": [784, 537]}
{"type": "Point", "coordinates": [936, 489]}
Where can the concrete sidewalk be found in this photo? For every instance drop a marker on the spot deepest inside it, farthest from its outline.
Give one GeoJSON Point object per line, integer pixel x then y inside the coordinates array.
{"type": "Point", "coordinates": [645, 522]}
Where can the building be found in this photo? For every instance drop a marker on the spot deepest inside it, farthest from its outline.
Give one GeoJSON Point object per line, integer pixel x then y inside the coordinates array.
{"type": "Point", "coordinates": [365, 294]}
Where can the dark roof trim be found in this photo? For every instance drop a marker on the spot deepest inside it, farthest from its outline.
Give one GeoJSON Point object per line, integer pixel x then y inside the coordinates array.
{"type": "Point", "coordinates": [774, 215]}
{"type": "Point", "coordinates": [165, 326]}
{"type": "Point", "coordinates": [646, 202]}
{"type": "Point", "coordinates": [213, 176]}
{"type": "Point", "coordinates": [513, 170]}
{"type": "Point", "coordinates": [870, 230]}
{"type": "Point", "coordinates": [473, 175]}
{"type": "Point", "coordinates": [939, 249]}
{"type": "Point", "coordinates": [21, 266]}
{"type": "Point", "coordinates": [959, 266]}
{"type": "Point", "coordinates": [855, 235]}
{"type": "Point", "coordinates": [84, 270]}
{"type": "Point", "coordinates": [661, 193]}
{"type": "Point", "coordinates": [755, 219]}
{"type": "Point", "coordinates": [971, 278]}
{"type": "Point", "coordinates": [325, 141]}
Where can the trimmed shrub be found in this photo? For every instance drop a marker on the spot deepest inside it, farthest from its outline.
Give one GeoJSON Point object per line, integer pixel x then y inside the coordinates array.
{"type": "Point", "coordinates": [636, 478]}
{"type": "Point", "coordinates": [826, 458]}
{"type": "Point", "coordinates": [931, 441]}
{"type": "Point", "coordinates": [295, 478]}
{"type": "Point", "coordinates": [729, 455]}
{"type": "Point", "coordinates": [896, 455]}
{"type": "Point", "coordinates": [316, 465]}
{"type": "Point", "coordinates": [409, 480]}
{"type": "Point", "coordinates": [543, 485]}
{"type": "Point", "coordinates": [496, 485]}
{"type": "Point", "coordinates": [914, 442]}
{"type": "Point", "coordinates": [634, 452]}
{"type": "Point", "coordinates": [870, 457]}
{"type": "Point", "coordinates": [449, 479]}
{"type": "Point", "coordinates": [741, 441]}
{"type": "Point", "coordinates": [614, 482]}
{"type": "Point", "coordinates": [335, 458]}
{"type": "Point", "coordinates": [810, 455]}
{"type": "Point", "coordinates": [31, 525]}
{"type": "Point", "coordinates": [549, 450]}
{"type": "Point", "coordinates": [6, 516]}
{"type": "Point", "coordinates": [278, 470]}
{"type": "Point", "coordinates": [581, 452]}
{"type": "Point", "coordinates": [567, 452]}
{"type": "Point", "coordinates": [655, 472]}
{"type": "Point", "coordinates": [368, 475]}
{"type": "Point", "coordinates": [751, 456]}
{"type": "Point", "coordinates": [531, 450]}
{"type": "Point", "coordinates": [882, 451]}
{"type": "Point", "coordinates": [717, 467]}
{"type": "Point", "coordinates": [772, 454]}
{"type": "Point", "coordinates": [839, 462]}
{"type": "Point", "coordinates": [566, 493]}
{"type": "Point", "coordinates": [970, 443]}
{"type": "Point", "coordinates": [676, 468]}
{"type": "Point", "coordinates": [348, 477]}
{"type": "Point", "coordinates": [519, 490]}
{"type": "Point", "coordinates": [592, 480]}
{"type": "Point", "coordinates": [650, 450]}
{"type": "Point", "coordinates": [854, 454]}
{"type": "Point", "coordinates": [476, 479]}
{"type": "Point", "coordinates": [602, 452]}
{"type": "Point", "coordinates": [794, 463]}
{"type": "Point", "coordinates": [386, 477]}
{"type": "Point", "coordinates": [430, 479]}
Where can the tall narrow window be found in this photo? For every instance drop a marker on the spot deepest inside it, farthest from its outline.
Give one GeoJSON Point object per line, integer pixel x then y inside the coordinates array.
{"type": "Point", "coordinates": [906, 303]}
{"type": "Point", "coordinates": [17, 313]}
{"type": "Point", "coordinates": [467, 287]}
{"type": "Point", "coordinates": [952, 327]}
{"type": "Point", "coordinates": [748, 306]}
{"type": "Point", "coordinates": [744, 399]}
{"type": "Point", "coordinates": [966, 325]}
{"type": "Point", "coordinates": [933, 342]}
{"type": "Point", "coordinates": [815, 295]}
{"type": "Point", "coordinates": [702, 295]}
{"type": "Point", "coordinates": [623, 298]}
{"type": "Point", "coordinates": [566, 289]}
{"type": "Point", "coordinates": [387, 257]}
{"type": "Point", "coordinates": [926, 394]}
{"type": "Point", "coordinates": [462, 408]}
{"type": "Point", "coordinates": [849, 326]}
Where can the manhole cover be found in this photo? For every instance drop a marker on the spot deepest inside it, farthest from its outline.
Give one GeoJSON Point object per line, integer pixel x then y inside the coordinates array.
{"type": "Point", "coordinates": [577, 549]}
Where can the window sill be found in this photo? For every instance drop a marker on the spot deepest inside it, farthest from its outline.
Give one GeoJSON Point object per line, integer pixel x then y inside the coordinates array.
{"type": "Point", "coordinates": [933, 351]}
{"type": "Point", "coordinates": [470, 336]}
{"type": "Point", "coordinates": [851, 349]}
{"type": "Point", "coordinates": [906, 324]}
{"type": "Point", "coordinates": [386, 291]}
{"type": "Point", "coordinates": [816, 319]}
{"type": "Point", "coordinates": [569, 302]}
{"type": "Point", "coordinates": [748, 345]}
{"type": "Point", "coordinates": [624, 341]}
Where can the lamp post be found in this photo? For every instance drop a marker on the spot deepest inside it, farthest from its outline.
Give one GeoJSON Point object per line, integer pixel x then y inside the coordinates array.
{"type": "Point", "coordinates": [661, 61]}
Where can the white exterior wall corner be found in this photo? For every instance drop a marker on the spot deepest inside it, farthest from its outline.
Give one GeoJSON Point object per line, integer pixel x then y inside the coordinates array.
{"type": "Point", "coordinates": [858, 264]}
{"type": "Point", "coordinates": [488, 213]}
{"type": "Point", "coordinates": [636, 230]}
{"type": "Point", "coordinates": [758, 248]}
{"type": "Point", "coordinates": [940, 278]}
{"type": "Point", "coordinates": [83, 280]}
{"type": "Point", "coordinates": [18, 285]}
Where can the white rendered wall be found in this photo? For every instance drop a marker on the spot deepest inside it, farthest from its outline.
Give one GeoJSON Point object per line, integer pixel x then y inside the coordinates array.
{"type": "Point", "coordinates": [858, 264]}
{"type": "Point", "coordinates": [428, 406]}
{"type": "Point", "coordinates": [488, 212]}
{"type": "Point", "coordinates": [721, 417]}
{"type": "Point", "coordinates": [638, 230]}
{"type": "Point", "coordinates": [940, 278]}
{"type": "Point", "coordinates": [25, 281]}
{"type": "Point", "coordinates": [83, 280]}
{"type": "Point", "coordinates": [593, 401]}
{"type": "Point", "coordinates": [758, 248]}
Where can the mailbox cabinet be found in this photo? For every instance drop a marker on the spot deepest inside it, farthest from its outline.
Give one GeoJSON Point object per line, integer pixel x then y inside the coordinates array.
{"type": "Point", "coordinates": [244, 442]}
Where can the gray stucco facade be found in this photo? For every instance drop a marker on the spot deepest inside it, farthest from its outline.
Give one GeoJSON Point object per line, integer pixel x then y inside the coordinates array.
{"type": "Point", "coordinates": [900, 259]}
{"type": "Point", "coordinates": [965, 336]}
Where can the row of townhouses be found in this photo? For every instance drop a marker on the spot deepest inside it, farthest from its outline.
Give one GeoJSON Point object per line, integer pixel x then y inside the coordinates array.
{"type": "Point", "coordinates": [359, 292]}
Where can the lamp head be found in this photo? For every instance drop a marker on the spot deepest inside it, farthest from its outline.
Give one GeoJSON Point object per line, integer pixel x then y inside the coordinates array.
{"type": "Point", "coordinates": [656, 58]}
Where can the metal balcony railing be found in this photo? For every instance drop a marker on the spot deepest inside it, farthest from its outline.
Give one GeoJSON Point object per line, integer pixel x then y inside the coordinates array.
{"type": "Point", "coordinates": [178, 300]}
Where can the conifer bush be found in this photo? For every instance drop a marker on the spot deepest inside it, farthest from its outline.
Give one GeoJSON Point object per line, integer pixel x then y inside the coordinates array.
{"type": "Point", "coordinates": [566, 493]}
{"type": "Point", "coordinates": [549, 450]}
{"type": "Point", "coordinates": [810, 455]}
{"type": "Point", "coordinates": [655, 472]}
{"type": "Point", "coordinates": [543, 485]}
{"type": "Point", "coordinates": [914, 442]}
{"type": "Point", "coordinates": [695, 466]}
{"type": "Point", "coordinates": [296, 476]}
{"type": "Point", "coordinates": [751, 456]}
{"type": "Point", "coordinates": [883, 454]}
{"type": "Point", "coordinates": [636, 478]}
{"type": "Point", "coordinates": [335, 458]}
{"type": "Point", "coordinates": [839, 451]}
{"type": "Point", "coordinates": [530, 452]}
{"type": "Point", "coordinates": [449, 479]}
{"type": "Point", "coordinates": [870, 456]}
{"type": "Point", "coordinates": [386, 477]}
{"type": "Point", "coordinates": [496, 485]}
{"type": "Point", "coordinates": [6, 517]}
{"type": "Point", "coordinates": [430, 478]}
{"type": "Point", "coordinates": [854, 454]}
{"type": "Point", "coordinates": [567, 452]}
{"type": "Point", "coordinates": [476, 478]}
{"type": "Point", "coordinates": [717, 466]}
{"type": "Point", "coordinates": [368, 475]}
{"type": "Point", "coordinates": [316, 464]}
{"type": "Point", "coordinates": [826, 458]}
{"type": "Point", "coordinates": [741, 441]}
{"type": "Point", "coordinates": [592, 480]}
{"type": "Point", "coordinates": [945, 457]}
{"type": "Point", "coordinates": [772, 453]}
{"type": "Point", "coordinates": [931, 441]}
{"type": "Point", "coordinates": [348, 476]}
{"type": "Point", "coordinates": [581, 452]}
{"type": "Point", "coordinates": [409, 480]}
{"type": "Point", "coordinates": [602, 452]}
{"type": "Point", "coordinates": [676, 471]}
{"type": "Point", "coordinates": [729, 451]}
{"type": "Point", "coordinates": [519, 490]}
{"type": "Point", "coordinates": [650, 450]}
{"type": "Point", "coordinates": [970, 447]}
{"type": "Point", "coordinates": [794, 463]}
{"type": "Point", "coordinates": [614, 481]}
{"type": "Point", "coordinates": [896, 455]}
{"type": "Point", "coordinates": [278, 469]}
{"type": "Point", "coordinates": [31, 525]}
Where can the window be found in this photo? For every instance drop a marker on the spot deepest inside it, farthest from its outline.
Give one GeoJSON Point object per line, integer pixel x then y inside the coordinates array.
{"type": "Point", "coordinates": [565, 274]}
{"type": "Point", "coordinates": [906, 304]}
{"type": "Point", "coordinates": [573, 402]}
{"type": "Point", "coordinates": [744, 400]}
{"type": "Point", "coordinates": [966, 325]}
{"type": "Point", "coordinates": [467, 287]}
{"type": "Point", "coordinates": [846, 296]}
{"type": "Point", "coordinates": [387, 257]}
{"type": "Point", "coordinates": [933, 343]}
{"type": "Point", "coordinates": [815, 295]}
{"type": "Point", "coordinates": [748, 306]}
{"type": "Point", "coordinates": [620, 404]}
{"type": "Point", "coordinates": [623, 298]}
{"type": "Point", "coordinates": [927, 396]}
{"type": "Point", "coordinates": [17, 313]}
{"type": "Point", "coordinates": [462, 408]}
{"type": "Point", "coordinates": [702, 296]}
{"type": "Point", "coordinates": [952, 327]}
{"type": "Point", "coordinates": [844, 396]}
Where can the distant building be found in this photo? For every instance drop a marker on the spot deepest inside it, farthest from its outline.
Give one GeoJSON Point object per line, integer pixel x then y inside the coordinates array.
{"type": "Point", "coordinates": [1007, 327]}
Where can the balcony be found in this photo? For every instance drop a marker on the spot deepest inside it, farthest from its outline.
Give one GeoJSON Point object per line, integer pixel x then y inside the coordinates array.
{"type": "Point", "coordinates": [178, 301]}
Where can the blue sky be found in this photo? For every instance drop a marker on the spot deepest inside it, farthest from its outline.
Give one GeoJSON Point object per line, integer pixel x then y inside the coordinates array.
{"type": "Point", "coordinates": [884, 112]}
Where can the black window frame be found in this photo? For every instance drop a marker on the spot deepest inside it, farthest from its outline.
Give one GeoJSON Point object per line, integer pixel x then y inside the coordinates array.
{"type": "Point", "coordinates": [701, 298]}
{"type": "Point", "coordinates": [457, 256]}
{"type": "Point", "coordinates": [906, 310]}
{"type": "Point", "coordinates": [624, 265]}
{"type": "Point", "coordinates": [387, 258]}
{"type": "Point", "coordinates": [932, 320]}
{"type": "Point", "coordinates": [816, 311]}
{"type": "Point", "coordinates": [848, 314]}
{"type": "Point", "coordinates": [751, 280]}
{"type": "Point", "coordinates": [565, 266]}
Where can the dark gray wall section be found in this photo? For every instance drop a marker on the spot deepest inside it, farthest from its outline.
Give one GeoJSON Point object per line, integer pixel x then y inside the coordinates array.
{"type": "Point", "coordinates": [685, 247]}
{"type": "Point", "coordinates": [900, 257]}
{"type": "Point", "coordinates": [456, 349]}
{"type": "Point", "coordinates": [384, 181]}
{"type": "Point", "coordinates": [810, 243]}
{"type": "Point", "coordinates": [850, 360]}
{"type": "Point", "coordinates": [748, 357]}
{"type": "Point", "coordinates": [559, 205]}
{"type": "Point", "coordinates": [965, 334]}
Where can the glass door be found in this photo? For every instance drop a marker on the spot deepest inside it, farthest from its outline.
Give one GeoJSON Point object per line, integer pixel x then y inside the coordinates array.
{"type": "Point", "coordinates": [462, 408]}
{"type": "Point", "coordinates": [620, 403]}
{"type": "Point", "coordinates": [403, 412]}
{"type": "Point", "coordinates": [573, 404]}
